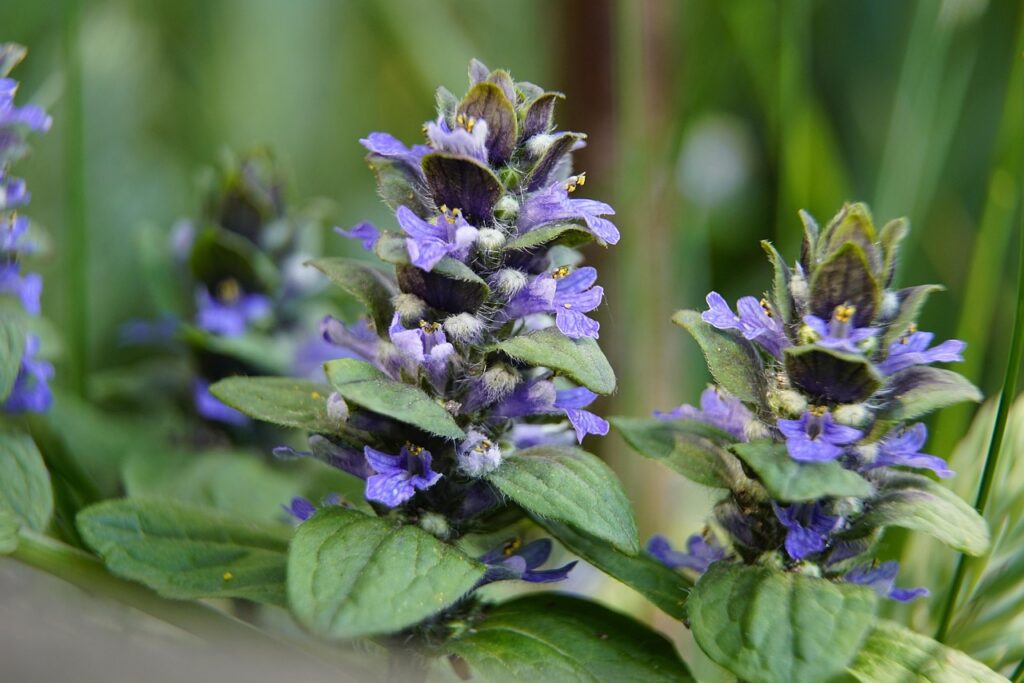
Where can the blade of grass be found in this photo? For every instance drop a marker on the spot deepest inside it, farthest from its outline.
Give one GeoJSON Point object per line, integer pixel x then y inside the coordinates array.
{"type": "Point", "coordinates": [996, 442]}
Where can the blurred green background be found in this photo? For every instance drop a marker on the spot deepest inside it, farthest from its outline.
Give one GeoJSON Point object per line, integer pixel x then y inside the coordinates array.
{"type": "Point", "coordinates": [711, 123]}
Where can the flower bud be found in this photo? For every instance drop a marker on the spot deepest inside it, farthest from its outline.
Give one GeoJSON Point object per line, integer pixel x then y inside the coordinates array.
{"type": "Point", "coordinates": [507, 208]}
{"type": "Point", "coordinates": [490, 241]}
{"type": "Point", "coordinates": [410, 308]}
{"type": "Point", "coordinates": [464, 327]}
{"type": "Point", "coordinates": [498, 381]}
{"type": "Point", "coordinates": [852, 414]}
{"type": "Point", "coordinates": [889, 307]}
{"type": "Point", "coordinates": [337, 409]}
{"type": "Point", "coordinates": [755, 429]}
{"type": "Point", "coordinates": [809, 569]}
{"type": "Point", "coordinates": [787, 402]}
{"type": "Point", "coordinates": [435, 524]}
{"type": "Point", "coordinates": [799, 289]}
{"type": "Point", "coordinates": [539, 144]}
{"type": "Point", "coordinates": [508, 282]}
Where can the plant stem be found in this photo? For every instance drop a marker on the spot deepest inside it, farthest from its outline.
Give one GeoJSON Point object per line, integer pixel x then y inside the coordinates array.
{"type": "Point", "coordinates": [996, 444]}
{"type": "Point", "coordinates": [1018, 674]}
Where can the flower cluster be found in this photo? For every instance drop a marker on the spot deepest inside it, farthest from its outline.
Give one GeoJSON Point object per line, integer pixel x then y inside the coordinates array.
{"type": "Point", "coordinates": [30, 390]}
{"type": "Point", "coordinates": [824, 378]}
{"type": "Point", "coordinates": [487, 295]}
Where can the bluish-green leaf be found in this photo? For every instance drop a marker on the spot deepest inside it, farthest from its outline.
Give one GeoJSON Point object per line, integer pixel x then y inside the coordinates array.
{"type": "Point", "coordinates": [25, 488]}
{"type": "Point", "coordinates": [352, 575]}
{"type": "Point", "coordinates": [690, 448]}
{"type": "Point", "coordinates": [552, 637]}
{"type": "Point", "coordinates": [188, 551]}
{"type": "Point", "coordinates": [569, 234]}
{"type": "Point", "coordinates": [919, 390]}
{"type": "Point", "coordinates": [12, 347]}
{"type": "Point", "coordinates": [572, 486]}
{"type": "Point", "coordinates": [666, 588]}
{"type": "Point", "coordinates": [365, 386]}
{"type": "Point", "coordinates": [782, 299]}
{"type": "Point", "coordinates": [579, 359]}
{"type": "Point", "coordinates": [894, 654]}
{"type": "Point", "coordinates": [791, 481]}
{"type": "Point", "coordinates": [733, 361]}
{"type": "Point", "coordinates": [768, 626]}
{"type": "Point", "coordinates": [299, 403]}
{"type": "Point", "coordinates": [372, 287]}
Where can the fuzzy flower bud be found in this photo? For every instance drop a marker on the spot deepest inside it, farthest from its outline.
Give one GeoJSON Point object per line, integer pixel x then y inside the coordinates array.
{"type": "Point", "coordinates": [410, 307]}
{"type": "Point", "coordinates": [337, 409]}
{"type": "Point", "coordinates": [852, 414]}
{"type": "Point", "coordinates": [478, 456]}
{"type": "Point", "coordinates": [498, 381]}
{"type": "Point", "coordinates": [508, 282]}
{"type": "Point", "coordinates": [464, 327]}
{"type": "Point", "coordinates": [435, 525]}
{"type": "Point", "coordinates": [507, 209]}
{"type": "Point", "coordinates": [787, 402]}
{"type": "Point", "coordinates": [490, 240]}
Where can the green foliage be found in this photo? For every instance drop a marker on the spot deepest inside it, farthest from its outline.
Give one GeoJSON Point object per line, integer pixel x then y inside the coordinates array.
{"type": "Point", "coordinates": [579, 359]}
{"type": "Point", "coordinates": [920, 390]}
{"type": "Point", "coordinates": [370, 286]}
{"type": "Point", "coordinates": [572, 486]}
{"type": "Point", "coordinates": [363, 385]}
{"type": "Point", "coordinates": [687, 447]}
{"type": "Point", "coordinates": [664, 587]}
{"type": "Point", "coordinates": [732, 360]}
{"type": "Point", "coordinates": [767, 626]}
{"type": "Point", "coordinates": [352, 575]}
{"type": "Point", "coordinates": [788, 480]}
{"type": "Point", "coordinates": [551, 637]}
{"type": "Point", "coordinates": [282, 401]}
{"type": "Point", "coordinates": [9, 526]}
{"type": "Point", "coordinates": [12, 347]}
{"type": "Point", "coordinates": [568, 234]}
{"type": "Point", "coordinates": [188, 551]}
{"type": "Point", "coordinates": [25, 491]}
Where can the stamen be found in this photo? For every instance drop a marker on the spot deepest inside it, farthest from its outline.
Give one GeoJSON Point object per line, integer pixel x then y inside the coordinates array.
{"type": "Point", "coordinates": [766, 307]}
{"type": "Point", "coordinates": [844, 313]}
{"type": "Point", "coordinates": [229, 291]}
{"type": "Point", "coordinates": [576, 181]}
{"type": "Point", "coordinates": [429, 327]}
{"type": "Point", "coordinates": [560, 272]}
{"type": "Point", "coordinates": [511, 546]}
{"type": "Point", "coordinates": [413, 450]}
{"type": "Point", "coordinates": [817, 411]}
{"type": "Point", "coordinates": [905, 338]}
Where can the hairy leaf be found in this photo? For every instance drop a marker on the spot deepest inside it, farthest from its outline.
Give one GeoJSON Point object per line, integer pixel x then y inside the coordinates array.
{"type": "Point", "coordinates": [25, 490]}
{"type": "Point", "coordinates": [831, 376]}
{"type": "Point", "coordinates": [462, 183]}
{"type": "Point", "coordinates": [732, 360]}
{"type": "Point", "coordinates": [487, 101]}
{"type": "Point", "coordinates": [910, 300]}
{"type": "Point", "coordinates": [788, 480]}
{"type": "Point", "coordinates": [569, 234]}
{"type": "Point", "coordinates": [284, 401]}
{"type": "Point", "coordinates": [690, 448]}
{"type": "Point", "coordinates": [919, 390]}
{"type": "Point", "coordinates": [845, 277]}
{"type": "Point", "coordinates": [579, 359]}
{"type": "Point", "coordinates": [370, 286]}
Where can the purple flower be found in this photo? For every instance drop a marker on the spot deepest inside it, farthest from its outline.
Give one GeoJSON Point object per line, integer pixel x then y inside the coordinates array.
{"type": "Point", "coordinates": [31, 391]}
{"type": "Point", "coordinates": [539, 397]}
{"type": "Point", "coordinates": [717, 409]}
{"type": "Point", "coordinates": [807, 528]}
{"type": "Point", "coordinates": [398, 477]}
{"type": "Point", "coordinates": [423, 347]}
{"type": "Point", "coordinates": [477, 456]}
{"type": "Point", "coordinates": [552, 204]}
{"type": "Point", "coordinates": [212, 408]}
{"type": "Point", "coordinates": [160, 331]}
{"type": "Point", "coordinates": [29, 116]}
{"type": "Point", "coordinates": [387, 145]}
{"type": "Point", "coordinates": [528, 436]}
{"type": "Point", "coordinates": [816, 437]}
{"type": "Point", "coordinates": [231, 312]}
{"type": "Point", "coordinates": [449, 235]}
{"type": "Point", "coordinates": [902, 449]}
{"type": "Point", "coordinates": [754, 322]}
{"type": "Point", "coordinates": [512, 560]}
{"type": "Point", "coordinates": [326, 451]}
{"type": "Point", "coordinates": [882, 579]}
{"type": "Point", "coordinates": [12, 233]}
{"type": "Point", "coordinates": [839, 332]}
{"type": "Point", "coordinates": [13, 193]}
{"type": "Point", "coordinates": [566, 294]}
{"type": "Point", "coordinates": [357, 340]}
{"type": "Point", "coordinates": [367, 233]}
{"type": "Point", "coordinates": [700, 553]}
{"type": "Point", "coordinates": [912, 349]}
{"type": "Point", "coordinates": [468, 138]}
{"type": "Point", "coordinates": [27, 288]}
{"type": "Point", "coordinates": [300, 508]}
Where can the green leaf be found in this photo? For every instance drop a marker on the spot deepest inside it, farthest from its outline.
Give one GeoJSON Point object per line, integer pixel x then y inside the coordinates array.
{"type": "Point", "coordinates": [25, 488]}
{"type": "Point", "coordinates": [767, 626]}
{"type": "Point", "coordinates": [782, 299]}
{"type": "Point", "coordinates": [271, 355]}
{"type": "Point", "coordinates": [352, 575]}
{"type": "Point", "coordinates": [370, 286]}
{"type": "Point", "coordinates": [568, 234]}
{"type": "Point", "coordinates": [690, 448]}
{"type": "Point", "coordinates": [9, 526]}
{"type": "Point", "coordinates": [451, 286]}
{"type": "Point", "coordinates": [12, 347]}
{"type": "Point", "coordinates": [365, 386]}
{"type": "Point", "coordinates": [398, 184]}
{"type": "Point", "coordinates": [919, 390]}
{"type": "Point", "coordinates": [733, 361]}
{"type": "Point", "coordinates": [579, 359]}
{"type": "Point", "coordinates": [540, 174]}
{"type": "Point", "coordinates": [284, 401]}
{"type": "Point", "coordinates": [185, 551]}
{"type": "Point", "coordinates": [572, 486]}
{"type": "Point", "coordinates": [791, 481]}
{"type": "Point", "coordinates": [538, 114]}
{"type": "Point", "coordinates": [552, 637]}
{"type": "Point", "coordinates": [831, 376]}
{"type": "Point", "coordinates": [891, 235]}
{"type": "Point", "coordinates": [894, 654]}
{"type": "Point", "coordinates": [910, 300]}
{"type": "Point", "coordinates": [911, 501]}
{"type": "Point", "coordinates": [845, 277]}
{"type": "Point", "coordinates": [666, 588]}
{"type": "Point", "coordinates": [219, 255]}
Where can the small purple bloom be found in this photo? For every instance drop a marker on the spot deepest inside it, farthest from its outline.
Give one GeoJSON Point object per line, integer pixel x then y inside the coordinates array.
{"type": "Point", "coordinates": [423, 347]}
{"type": "Point", "coordinates": [29, 116]}
{"type": "Point", "coordinates": [528, 435]}
{"type": "Point", "coordinates": [912, 349]}
{"type": "Point", "coordinates": [477, 456]}
{"type": "Point", "coordinates": [700, 553]}
{"type": "Point", "coordinates": [468, 138]}
{"type": "Point", "coordinates": [13, 192]}
{"type": "Point", "coordinates": [367, 233]}
{"type": "Point", "coordinates": [160, 331]}
{"type": "Point", "coordinates": [300, 508]}
{"type": "Point", "coordinates": [882, 579]}
{"type": "Point", "coordinates": [539, 397]}
{"type": "Point", "coordinates": [13, 230]}
{"type": "Point", "coordinates": [753, 322]}
{"type": "Point", "coordinates": [387, 145]}
{"type": "Point", "coordinates": [552, 204]}
{"type": "Point", "coordinates": [27, 288]}
{"type": "Point", "coordinates": [357, 340]}
{"type": "Point", "coordinates": [31, 391]}
{"type": "Point", "coordinates": [816, 436]}
{"type": "Point", "coordinates": [212, 408]}
{"type": "Point", "coordinates": [326, 451]}
{"type": "Point", "coordinates": [903, 449]}
{"type": "Point", "coordinates": [566, 294]}
{"type": "Point", "coordinates": [839, 332]}
{"type": "Point", "coordinates": [428, 243]}
{"type": "Point", "coordinates": [572, 402]}
{"type": "Point", "coordinates": [717, 409]}
{"type": "Point", "coordinates": [807, 528]}
{"type": "Point", "coordinates": [229, 315]}
{"type": "Point", "coordinates": [511, 560]}
{"type": "Point", "coordinates": [398, 477]}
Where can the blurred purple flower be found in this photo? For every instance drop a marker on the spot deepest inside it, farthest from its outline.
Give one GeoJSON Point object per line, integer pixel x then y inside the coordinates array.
{"type": "Point", "coordinates": [882, 579]}
{"type": "Point", "coordinates": [31, 390]}
{"type": "Point", "coordinates": [912, 349]}
{"type": "Point", "coordinates": [700, 553]}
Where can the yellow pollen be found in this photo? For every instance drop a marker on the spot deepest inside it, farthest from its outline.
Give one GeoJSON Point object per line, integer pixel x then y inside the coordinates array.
{"type": "Point", "coordinates": [483, 446]}
{"type": "Point", "coordinates": [844, 313]}
{"type": "Point", "coordinates": [429, 327]}
{"type": "Point", "coordinates": [229, 290]}
{"type": "Point", "coordinates": [316, 396]}
{"type": "Point", "coordinates": [817, 411]}
{"type": "Point", "coordinates": [560, 272]}
{"type": "Point", "coordinates": [766, 307]}
{"type": "Point", "coordinates": [228, 576]}
{"type": "Point", "coordinates": [566, 305]}
{"type": "Point", "coordinates": [511, 546]}
{"type": "Point", "coordinates": [413, 450]}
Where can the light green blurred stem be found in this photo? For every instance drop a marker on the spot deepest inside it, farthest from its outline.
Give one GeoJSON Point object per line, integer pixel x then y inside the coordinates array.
{"type": "Point", "coordinates": [1018, 674]}
{"type": "Point", "coordinates": [76, 247]}
{"type": "Point", "coordinates": [996, 443]}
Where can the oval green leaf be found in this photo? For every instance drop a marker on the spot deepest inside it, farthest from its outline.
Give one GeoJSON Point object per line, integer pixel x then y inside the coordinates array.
{"type": "Point", "coordinates": [25, 490]}
{"type": "Point", "coordinates": [12, 347]}
{"type": "Point", "coordinates": [919, 390]}
{"type": "Point", "coordinates": [579, 359]}
{"type": "Point", "coordinates": [690, 448]}
{"type": "Point", "coordinates": [791, 481]}
{"type": "Point", "coordinates": [370, 286]}
{"type": "Point", "coordinates": [732, 360]}
{"type": "Point", "coordinates": [284, 401]}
